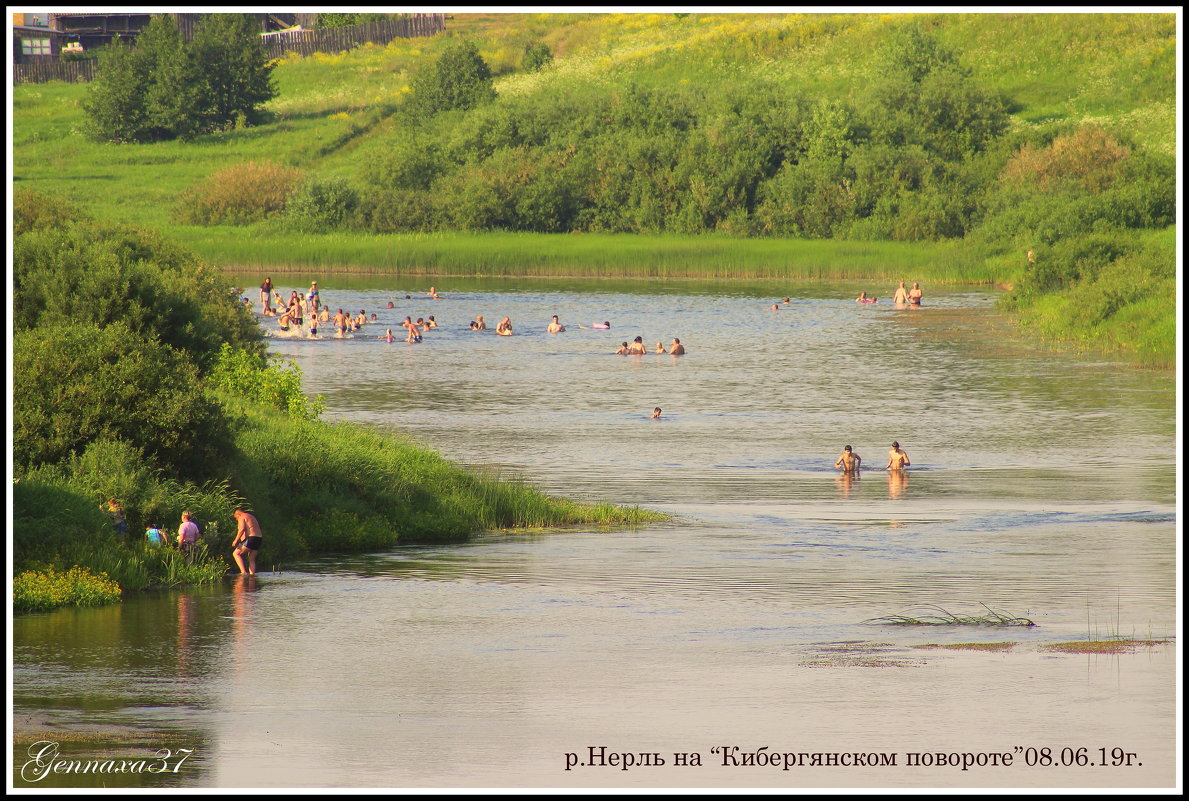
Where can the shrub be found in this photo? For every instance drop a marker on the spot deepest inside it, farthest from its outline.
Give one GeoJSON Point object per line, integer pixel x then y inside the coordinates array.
{"type": "Point", "coordinates": [398, 210]}
{"type": "Point", "coordinates": [239, 195]}
{"type": "Point", "coordinates": [1090, 158]}
{"type": "Point", "coordinates": [269, 381]}
{"type": "Point", "coordinates": [74, 384]}
{"type": "Point", "coordinates": [49, 589]}
{"type": "Point", "coordinates": [459, 79]}
{"type": "Point", "coordinates": [321, 205]}
{"type": "Point", "coordinates": [537, 56]}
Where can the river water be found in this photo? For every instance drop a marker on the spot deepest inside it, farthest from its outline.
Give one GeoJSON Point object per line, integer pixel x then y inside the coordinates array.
{"type": "Point", "coordinates": [1042, 485]}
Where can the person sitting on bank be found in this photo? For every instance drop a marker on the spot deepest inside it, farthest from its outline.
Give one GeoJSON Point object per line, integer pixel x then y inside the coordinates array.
{"type": "Point", "coordinates": [849, 461]}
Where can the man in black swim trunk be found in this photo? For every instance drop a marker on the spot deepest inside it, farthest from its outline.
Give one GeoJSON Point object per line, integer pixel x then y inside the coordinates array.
{"type": "Point", "coordinates": [247, 541]}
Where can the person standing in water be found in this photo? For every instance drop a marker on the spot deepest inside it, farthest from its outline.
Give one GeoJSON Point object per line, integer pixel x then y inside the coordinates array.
{"type": "Point", "coordinates": [656, 413]}
{"type": "Point", "coordinates": [914, 294]}
{"type": "Point", "coordinates": [677, 348]}
{"type": "Point", "coordinates": [901, 296]}
{"type": "Point", "coordinates": [266, 296]}
{"type": "Point", "coordinates": [247, 541]}
{"type": "Point", "coordinates": [849, 461]}
{"type": "Point", "coordinates": [897, 459]}
{"type": "Point", "coordinates": [637, 347]}
{"type": "Point", "coordinates": [555, 326]}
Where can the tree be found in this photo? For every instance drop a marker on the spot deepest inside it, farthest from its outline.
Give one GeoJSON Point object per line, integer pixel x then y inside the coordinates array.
{"type": "Point", "coordinates": [459, 79]}
{"type": "Point", "coordinates": [537, 56]}
{"type": "Point", "coordinates": [115, 104]}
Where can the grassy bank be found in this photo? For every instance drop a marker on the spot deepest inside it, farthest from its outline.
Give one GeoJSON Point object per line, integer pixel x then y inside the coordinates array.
{"type": "Point", "coordinates": [593, 255]}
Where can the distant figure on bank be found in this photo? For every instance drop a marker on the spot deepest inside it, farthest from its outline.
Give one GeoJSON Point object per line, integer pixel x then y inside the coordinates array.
{"type": "Point", "coordinates": [849, 460]}
{"type": "Point", "coordinates": [637, 347]}
{"type": "Point", "coordinates": [901, 296]}
{"type": "Point", "coordinates": [504, 327]}
{"type": "Point", "coordinates": [154, 536]}
{"type": "Point", "coordinates": [677, 349]}
{"type": "Point", "coordinates": [188, 534]}
{"type": "Point", "coordinates": [555, 326]}
{"type": "Point", "coordinates": [897, 459]}
{"type": "Point", "coordinates": [247, 541]}
{"type": "Point", "coordinates": [656, 413]}
{"type": "Point", "coordinates": [115, 510]}
{"type": "Point", "coordinates": [1031, 257]}
{"type": "Point", "coordinates": [914, 294]}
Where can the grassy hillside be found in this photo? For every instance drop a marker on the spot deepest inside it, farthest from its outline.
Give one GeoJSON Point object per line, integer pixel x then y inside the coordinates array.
{"type": "Point", "coordinates": [340, 115]}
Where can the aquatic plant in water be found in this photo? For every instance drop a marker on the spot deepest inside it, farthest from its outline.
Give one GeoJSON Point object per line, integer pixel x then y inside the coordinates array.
{"type": "Point", "coordinates": [942, 617]}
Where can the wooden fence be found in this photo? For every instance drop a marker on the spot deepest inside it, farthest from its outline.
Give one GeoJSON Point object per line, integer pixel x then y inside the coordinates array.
{"type": "Point", "coordinates": [326, 40]}
{"type": "Point", "coordinates": [332, 40]}
{"type": "Point", "coordinates": [53, 70]}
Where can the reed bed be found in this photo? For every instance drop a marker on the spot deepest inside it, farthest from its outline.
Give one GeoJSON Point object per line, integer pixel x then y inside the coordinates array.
{"type": "Point", "coordinates": [943, 617]}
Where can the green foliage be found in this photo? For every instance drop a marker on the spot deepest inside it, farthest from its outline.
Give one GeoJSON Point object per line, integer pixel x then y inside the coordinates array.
{"type": "Point", "coordinates": [79, 383]}
{"type": "Point", "coordinates": [50, 589]}
{"type": "Point", "coordinates": [70, 269]}
{"type": "Point", "coordinates": [268, 381]}
{"type": "Point", "coordinates": [458, 79]}
{"type": "Point", "coordinates": [165, 88]}
{"type": "Point", "coordinates": [537, 56]}
{"type": "Point", "coordinates": [321, 205]}
{"type": "Point", "coordinates": [239, 195]}
{"type": "Point", "coordinates": [336, 20]}
{"type": "Point", "coordinates": [47, 514]}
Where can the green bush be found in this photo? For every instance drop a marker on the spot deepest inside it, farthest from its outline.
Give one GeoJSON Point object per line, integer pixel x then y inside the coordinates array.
{"type": "Point", "coordinates": [77, 383]}
{"type": "Point", "coordinates": [239, 195]}
{"type": "Point", "coordinates": [458, 79]}
{"type": "Point", "coordinates": [268, 381]}
{"type": "Point", "coordinates": [321, 205]}
{"type": "Point", "coordinates": [50, 589]}
{"type": "Point", "coordinates": [537, 56]}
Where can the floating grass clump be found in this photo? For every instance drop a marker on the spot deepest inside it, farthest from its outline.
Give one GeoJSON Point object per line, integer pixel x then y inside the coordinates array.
{"type": "Point", "coordinates": [1112, 646]}
{"type": "Point", "coordinates": [942, 617]}
{"type": "Point", "coordinates": [971, 646]}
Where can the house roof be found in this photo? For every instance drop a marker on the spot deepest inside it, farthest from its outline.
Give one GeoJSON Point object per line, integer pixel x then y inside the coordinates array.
{"type": "Point", "coordinates": [37, 30]}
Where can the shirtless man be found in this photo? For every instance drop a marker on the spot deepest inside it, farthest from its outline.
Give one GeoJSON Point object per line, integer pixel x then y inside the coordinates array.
{"type": "Point", "coordinates": [247, 541]}
{"type": "Point", "coordinates": [414, 334]}
{"type": "Point", "coordinates": [479, 324]}
{"type": "Point", "coordinates": [901, 296]}
{"type": "Point", "coordinates": [914, 294]}
{"type": "Point", "coordinates": [656, 412]}
{"type": "Point", "coordinates": [677, 348]}
{"type": "Point", "coordinates": [341, 321]}
{"type": "Point", "coordinates": [504, 327]}
{"type": "Point", "coordinates": [622, 350]}
{"type": "Point", "coordinates": [849, 461]}
{"type": "Point", "coordinates": [897, 459]}
{"type": "Point", "coordinates": [637, 347]}
{"type": "Point", "coordinates": [555, 326]}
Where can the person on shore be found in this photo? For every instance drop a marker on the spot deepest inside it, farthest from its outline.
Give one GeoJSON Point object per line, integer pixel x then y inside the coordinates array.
{"type": "Point", "coordinates": [637, 347]}
{"type": "Point", "coordinates": [660, 348]}
{"type": "Point", "coordinates": [1031, 257]}
{"type": "Point", "coordinates": [480, 323]}
{"type": "Point", "coordinates": [248, 538]}
{"type": "Point", "coordinates": [622, 350]}
{"type": "Point", "coordinates": [153, 535]}
{"type": "Point", "coordinates": [914, 294]}
{"type": "Point", "coordinates": [504, 327]}
{"type": "Point", "coordinates": [901, 296]}
{"type": "Point", "coordinates": [555, 326]}
{"type": "Point", "coordinates": [677, 349]}
{"type": "Point", "coordinates": [655, 413]}
{"type": "Point", "coordinates": [603, 326]}
{"type": "Point", "coordinates": [849, 461]}
{"type": "Point", "coordinates": [897, 459]}
{"type": "Point", "coordinates": [115, 510]}
{"type": "Point", "coordinates": [266, 297]}
{"type": "Point", "coordinates": [188, 535]}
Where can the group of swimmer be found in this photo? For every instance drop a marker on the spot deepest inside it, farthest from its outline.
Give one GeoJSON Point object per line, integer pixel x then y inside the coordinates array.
{"type": "Point", "coordinates": [850, 461]}
{"type": "Point", "coordinates": [903, 298]}
{"type": "Point", "coordinates": [637, 348]}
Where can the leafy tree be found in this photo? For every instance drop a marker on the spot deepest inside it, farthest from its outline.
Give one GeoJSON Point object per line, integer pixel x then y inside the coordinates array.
{"type": "Point", "coordinates": [76, 383]}
{"type": "Point", "coordinates": [459, 79]}
{"type": "Point", "coordinates": [336, 20]}
{"type": "Point", "coordinates": [116, 101]}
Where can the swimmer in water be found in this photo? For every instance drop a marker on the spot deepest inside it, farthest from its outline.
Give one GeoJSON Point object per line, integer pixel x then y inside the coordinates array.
{"type": "Point", "coordinates": [555, 326]}
{"type": "Point", "coordinates": [656, 413]}
{"type": "Point", "coordinates": [622, 350]}
{"type": "Point", "coordinates": [862, 298]}
{"type": "Point", "coordinates": [504, 327]}
{"type": "Point", "coordinates": [373, 317]}
{"type": "Point", "coordinates": [479, 324]}
{"type": "Point", "coordinates": [660, 348]}
{"type": "Point", "coordinates": [414, 334]}
{"type": "Point", "coordinates": [408, 321]}
{"type": "Point", "coordinates": [597, 326]}
{"type": "Point", "coordinates": [897, 459]}
{"type": "Point", "coordinates": [677, 349]}
{"type": "Point", "coordinates": [914, 294]}
{"type": "Point", "coordinates": [388, 337]}
{"type": "Point", "coordinates": [773, 307]}
{"type": "Point", "coordinates": [849, 461]}
{"type": "Point", "coordinates": [901, 296]}
{"type": "Point", "coordinates": [340, 322]}
{"type": "Point", "coordinates": [430, 322]}
{"type": "Point", "coordinates": [391, 305]}
{"type": "Point", "coordinates": [637, 347]}
{"type": "Point", "coordinates": [786, 301]}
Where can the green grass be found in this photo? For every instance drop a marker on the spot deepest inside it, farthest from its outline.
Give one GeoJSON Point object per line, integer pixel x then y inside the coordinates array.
{"type": "Point", "coordinates": [942, 617]}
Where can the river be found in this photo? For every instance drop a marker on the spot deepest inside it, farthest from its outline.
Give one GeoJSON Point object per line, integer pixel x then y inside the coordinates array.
{"type": "Point", "coordinates": [1043, 485]}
